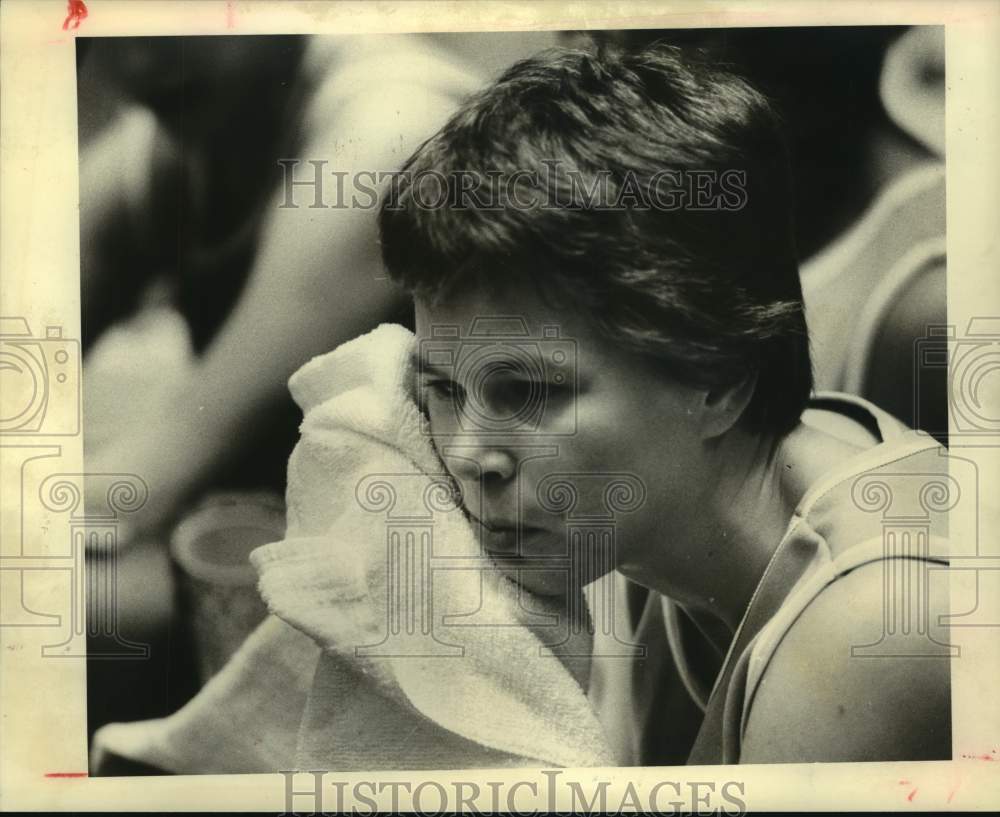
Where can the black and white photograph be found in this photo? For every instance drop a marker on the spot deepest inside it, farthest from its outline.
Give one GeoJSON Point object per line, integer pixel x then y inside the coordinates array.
{"type": "Point", "coordinates": [564, 399]}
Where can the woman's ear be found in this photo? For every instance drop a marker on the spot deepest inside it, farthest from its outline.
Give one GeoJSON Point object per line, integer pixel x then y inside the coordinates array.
{"type": "Point", "coordinates": [722, 406]}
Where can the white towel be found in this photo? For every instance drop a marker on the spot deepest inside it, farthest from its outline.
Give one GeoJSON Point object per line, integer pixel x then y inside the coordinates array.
{"type": "Point", "coordinates": [495, 696]}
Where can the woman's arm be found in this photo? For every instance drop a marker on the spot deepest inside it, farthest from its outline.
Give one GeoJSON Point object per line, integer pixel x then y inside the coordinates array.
{"type": "Point", "coordinates": [114, 167]}
{"type": "Point", "coordinates": [817, 702]}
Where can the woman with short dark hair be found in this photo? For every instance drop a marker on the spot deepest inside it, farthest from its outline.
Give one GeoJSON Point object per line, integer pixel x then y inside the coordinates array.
{"type": "Point", "coordinates": [632, 214]}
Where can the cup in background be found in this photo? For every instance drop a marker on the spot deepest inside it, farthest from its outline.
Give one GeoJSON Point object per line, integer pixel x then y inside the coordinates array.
{"type": "Point", "coordinates": [217, 585]}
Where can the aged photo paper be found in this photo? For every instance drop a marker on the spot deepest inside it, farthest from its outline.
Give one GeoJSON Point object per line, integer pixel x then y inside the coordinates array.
{"type": "Point", "coordinates": [350, 463]}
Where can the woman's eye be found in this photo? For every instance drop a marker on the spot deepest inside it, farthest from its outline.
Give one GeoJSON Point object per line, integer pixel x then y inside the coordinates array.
{"type": "Point", "coordinates": [448, 389]}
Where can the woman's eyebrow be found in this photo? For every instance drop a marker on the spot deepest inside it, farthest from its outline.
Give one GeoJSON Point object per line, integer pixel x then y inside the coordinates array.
{"type": "Point", "coordinates": [422, 367]}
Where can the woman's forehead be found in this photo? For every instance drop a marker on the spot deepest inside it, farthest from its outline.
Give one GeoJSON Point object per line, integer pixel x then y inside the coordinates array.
{"type": "Point", "coordinates": [502, 312]}
{"type": "Point", "coordinates": [511, 322]}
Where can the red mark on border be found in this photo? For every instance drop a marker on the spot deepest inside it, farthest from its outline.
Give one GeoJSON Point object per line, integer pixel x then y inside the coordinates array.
{"type": "Point", "coordinates": [987, 757]}
{"type": "Point", "coordinates": [67, 774]}
{"type": "Point", "coordinates": [230, 14]}
{"type": "Point", "coordinates": [76, 13]}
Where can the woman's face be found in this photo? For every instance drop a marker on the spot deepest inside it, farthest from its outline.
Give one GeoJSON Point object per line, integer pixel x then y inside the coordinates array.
{"type": "Point", "coordinates": [572, 457]}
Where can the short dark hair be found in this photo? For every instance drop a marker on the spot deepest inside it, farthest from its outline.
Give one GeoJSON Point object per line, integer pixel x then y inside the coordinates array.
{"type": "Point", "coordinates": [704, 294]}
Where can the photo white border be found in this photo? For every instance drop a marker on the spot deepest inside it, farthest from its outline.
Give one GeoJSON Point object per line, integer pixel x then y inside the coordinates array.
{"type": "Point", "coordinates": [42, 701]}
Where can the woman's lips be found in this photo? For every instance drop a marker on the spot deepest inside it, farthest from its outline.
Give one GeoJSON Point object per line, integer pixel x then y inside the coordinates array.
{"type": "Point", "coordinates": [507, 541]}
{"type": "Point", "coordinates": [524, 558]}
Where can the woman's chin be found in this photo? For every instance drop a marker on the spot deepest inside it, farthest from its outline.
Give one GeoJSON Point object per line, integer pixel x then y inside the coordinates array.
{"type": "Point", "coordinates": [549, 583]}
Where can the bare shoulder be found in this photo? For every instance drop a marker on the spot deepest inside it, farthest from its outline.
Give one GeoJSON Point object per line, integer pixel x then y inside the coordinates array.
{"type": "Point", "coordinates": [822, 699]}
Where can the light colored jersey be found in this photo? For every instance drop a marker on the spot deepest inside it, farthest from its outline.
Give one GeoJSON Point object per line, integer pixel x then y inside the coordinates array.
{"type": "Point", "coordinates": [680, 692]}
{"type": "Point", "coordinates": [886, 505]}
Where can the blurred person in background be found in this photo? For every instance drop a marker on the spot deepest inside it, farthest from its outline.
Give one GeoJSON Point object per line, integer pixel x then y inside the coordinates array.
{"type": "Point", "coordinates": [181, 203]}
{"type": "Point", "coordinates": [202, 291]}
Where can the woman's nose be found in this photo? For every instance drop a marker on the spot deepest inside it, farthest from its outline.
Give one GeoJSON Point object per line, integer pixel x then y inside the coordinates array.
{"type": "Point", "coordinates": [480, 462]}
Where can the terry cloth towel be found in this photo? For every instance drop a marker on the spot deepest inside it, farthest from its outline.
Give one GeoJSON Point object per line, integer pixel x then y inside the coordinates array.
{"type": "Point", "coordinates": [420, 653]}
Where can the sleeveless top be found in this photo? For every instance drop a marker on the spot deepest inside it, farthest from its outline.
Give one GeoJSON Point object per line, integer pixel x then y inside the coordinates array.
{"type": "Point", "coordinates": [885, 504]}
{"type": "Point", "coordinates": [682, 700]}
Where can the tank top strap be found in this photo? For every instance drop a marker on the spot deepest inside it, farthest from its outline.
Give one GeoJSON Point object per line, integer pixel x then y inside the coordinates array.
{"type": "Point", "coordinates": [828, 536]}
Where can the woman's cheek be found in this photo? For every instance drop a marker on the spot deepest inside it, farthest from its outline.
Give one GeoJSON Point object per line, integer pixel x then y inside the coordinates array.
{"type": "Point", "coordinates": [603, 437]}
